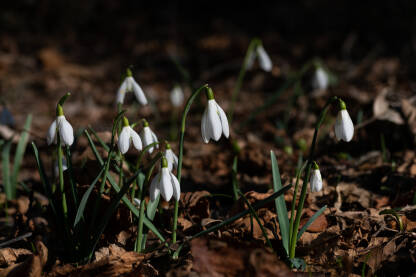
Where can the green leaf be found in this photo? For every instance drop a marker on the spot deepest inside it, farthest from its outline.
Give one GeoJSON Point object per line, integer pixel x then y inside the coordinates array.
{"type": "Point", "coordinates": [20, 151]}
{"type": "Point", "coordinates": [84, 199]}
{"type": "Point", "coordinates": [298, 263]}
{"type": "Point", "coordinates": [312, 219]}
{"type": "Point", "coordinates": [280, 204]}
{"type": "Point", "coordinates": [5, 160]}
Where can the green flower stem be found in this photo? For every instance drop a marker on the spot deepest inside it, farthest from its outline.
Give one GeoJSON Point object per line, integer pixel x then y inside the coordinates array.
{"type": "Point", "coordinates": [295, 229]}
{"type": "Point", "coordinates": [72, 183]}
{"type": "Point", "coordinates": [182, 135]}
{"type": "Point", "coordinates": [295, 193]}
{"type": "Point", "coordinates": [139, 244]}
{"type": "Point", "coordinates": [253, 44]}
{"type": "Point", "coordinates": [61, 180]}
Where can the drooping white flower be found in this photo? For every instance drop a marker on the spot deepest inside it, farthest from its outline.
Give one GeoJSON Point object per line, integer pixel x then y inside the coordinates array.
{"type": "Point", "coordinates": [321, 79]}
{"type": "Point", "coordinates": [127, 136]}
{"type": "Point", "coordinates": [56, 166]}
{"type": "Point", "coordinates": [171, 157]}
{"type": "Point", "coordinates": [137, 201]}
{"type": "Point", "coordinates": [344, 128]}
{"type": "Point", "coordinates": [214, 121]}
{"type": "Point", "coordinates": [177, 96]}
{"type": "Point", "coordinates": [128, 85]}
{"type": "Point", "coordinates": [316, 179]}
{"type": "Point", "coordinates": [264, 59]}
{"type": "Point", "coordinates": [165, 183]}
{"type": "Point", "coordinates": [148, 137]}
{"type": "Point", "coordinates": [64, 128]}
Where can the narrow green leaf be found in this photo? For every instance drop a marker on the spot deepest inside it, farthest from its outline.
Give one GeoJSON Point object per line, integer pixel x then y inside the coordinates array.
{"type": "Point", "coordinates": [20, 151]}
{"type": "Point", "coordinates": [312, 219]}
{"type": "Point", "coordinates": [97, 137]}
{"type": "Point", "coordinates": [280, 204]}
{"type": "Point", "coordinates": [5, 160]}
{"type": "Point", "coordinates": [84, 199]}
{"type": "Point", "coordinates": [94, 149]}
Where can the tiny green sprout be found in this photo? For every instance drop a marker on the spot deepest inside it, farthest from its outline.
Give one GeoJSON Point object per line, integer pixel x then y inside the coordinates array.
{"type": "Point", "coordinates": [59, 110]}
{"type": "Point", "coordinates": [129, 73]}
{"type": "Point", "coordinates": [210, 93]}
{"type": "Point", "coordinates": [125, 121]}
{"type": "Point", "coordinates": [167, 145]}
{"type": "Point", "coordinates": [288, 149]}
{"type": "Point", "coordinates": [342, 105]}
{"type": "Point", "coordinates": [315, 165]}
{"type": "Point", "coordinates": [164, 162]}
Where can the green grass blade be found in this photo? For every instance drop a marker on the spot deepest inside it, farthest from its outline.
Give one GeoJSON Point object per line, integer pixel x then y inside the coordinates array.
{"type": "Point", "coordinates": [43, 178]}
{"type": "Point", "coordinates": [93, 148]}
{"type": "Point", "coordinates": [84, 199]}
{"type": "Point", "coordinates": [312, 219]}
{"type": "Point", "coordinates": [255, 207]}
{"type": "Point", "coordinates": [97, 137]}
{"type": "Point", "coordinates": [5, 160]}
{"type": "Point", "coordinates": [280, 204]}
{"type": "Point", "coordinates": [20, 151]}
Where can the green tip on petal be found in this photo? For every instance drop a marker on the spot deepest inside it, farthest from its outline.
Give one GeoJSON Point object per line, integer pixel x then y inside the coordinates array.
{"type": "Point", "coordinates": [342, 105]}
{"type": "Point", "coordinates": [125, 121]}
{"type": "Point", "coordinates": [164, 162]}
{"type": "Point", "coordinates": [315, 165]}
{"type": "Point", "coordinates": [210, 93]}
{"type": "Point", "coordinates": [145, 123]}
{"type": "Point", "coordinates": [167, 144]}
{"type": "Point", "coordinates": [59, 110]}
{"type": "Point", "coordinates": [128, 72]}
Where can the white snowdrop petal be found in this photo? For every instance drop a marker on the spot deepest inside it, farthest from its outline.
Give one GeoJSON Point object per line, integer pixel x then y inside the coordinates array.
{"type": "Point", "coordinates": [65, 131]}
{"type": "Point", "coordinates": [137, 201]}
{"type": "Point", "coordinates": [176, 187]}
{"type": "Point", "coordinates": [348, 126]}
{"type": "Point", "coordinates": [121, 93]}
{"type": "Point", "coordinates": [250, 60]}
{"type": "Point", "coordinates": [175, 160]}
{"type": "Point", "coordinates": [321, 79]}
{"type": "Point", "coordinates": [154, 187]}
{"type": "Point", "coordinates": [154, 138]}
{"type": "Point", "coordinates": [316, 181]}
{"type": "Point", "coordinates": [138, 92]}
{"type": "Point", "coordinates": [165, 185]}
{"type": "Point", "coordinates": [124, 140]}
{"type": "Point", "coordinates": [137, 142]}
{"type": "Point", "coordinates": [169, 158]}
{"type": "Point", "coordinates": [264, 59]}
{"type": "Point", "coordinates": [214, 121]}
{"type": "Point", "coordinates": [204, 131]}
{"type": "Point", "coordinates": [51, 135]}
{"type": "Point", "coordinates": [147, 138]}
{"type": "Point", "coordinates": [177, 96]}
{"type": "Point", "coordinates": [224, 121]}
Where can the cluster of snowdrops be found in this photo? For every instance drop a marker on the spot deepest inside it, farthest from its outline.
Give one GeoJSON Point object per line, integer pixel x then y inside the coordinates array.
{"type": "Point", "coordinates": [214, 124]}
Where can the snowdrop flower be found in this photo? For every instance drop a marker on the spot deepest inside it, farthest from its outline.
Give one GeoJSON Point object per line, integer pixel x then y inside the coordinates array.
{"type": "Point", "coordinates": [264, 59]}
{"type": "Point", "coordinates": [171, 157]}
{"type": "Point", "coordinates": [137, 202]}
{"type": "Point", "coordinates": [64, 128]}
{"type": "Point", "coordinates": [321, 79]}
{"type": "Point", "coordinates": [56, 166]}
{"type": "Point", "coordinates": [176, 96]}
{"type": "Point", "coordinates": [148, 136]}
{"type": "Point", "coordinates": [165, 183]}
{"type": "Point", "coordinates": [214, 121]}
{"type": "Point", "coordinates": [316, 179]}
{"type": "Point", "coordinates": [129, 84]}
{"type": "Point", "coordinates": [344, 128]}
{"type": "Point", "coordinates": [127, 136]}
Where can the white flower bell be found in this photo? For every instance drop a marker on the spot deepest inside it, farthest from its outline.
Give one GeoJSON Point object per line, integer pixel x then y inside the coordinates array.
{"type": "Point", "coordinates": [316, 179]}
{"type": "Point", "coordinates": [127, 136]}
{"type": "Point", "coordinates": [321, 79]}
{"type": "Point", "coordinates": [64, 128]}
{"type": "Point", "coordinates": [214, 121]}
{"type": "Point", "coordinates": [264, 60]}
{"type": "Point", "coordinates": [129, 84]}
{"type": "Point", "coordinates": [165, 183]}
{"type": "Point", "coordinates": [177, 96]}
{"type": "Point", "coordinates": [171, 157]}
{"type": "Point", "coordinates": [148, 137]}
{"type": "Point", "coordinates": [344, 128]}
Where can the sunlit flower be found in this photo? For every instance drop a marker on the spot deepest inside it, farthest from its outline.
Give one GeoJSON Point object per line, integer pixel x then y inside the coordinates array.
{"type": "Point", "coordinates": [128, 85]}
{"type": "Point", "coordinates": [148, 137]}
{"type": "Point", "coordinates": [344, 128]}
{"type": "Point", "coordinates": [316, 179]}
{"type": "Point", "coordinates": [127, 136]}
{"type": "Point", "coordinates": [177, 96]}
{"type": "Point", "coordinates": [64, 128]}
{"type": "Point", "coordinates": [214, 121]}
{"type": "Point", "coordinates": [321, 79]}
{"type": "Point", "coordinates": [171, 157]}
{"type": "Point", "coordinates": [165, 183]}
